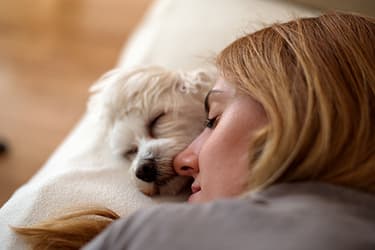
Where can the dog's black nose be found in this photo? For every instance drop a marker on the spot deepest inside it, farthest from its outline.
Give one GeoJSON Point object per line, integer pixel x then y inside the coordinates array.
{"type": "Point", "coordinates": [147, 172]}
{"type": "Point", "coordinates": [3, 147]}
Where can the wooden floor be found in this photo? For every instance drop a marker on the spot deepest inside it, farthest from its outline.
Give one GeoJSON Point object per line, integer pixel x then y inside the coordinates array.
{"type": "Point", "coordinates": [51, 51]}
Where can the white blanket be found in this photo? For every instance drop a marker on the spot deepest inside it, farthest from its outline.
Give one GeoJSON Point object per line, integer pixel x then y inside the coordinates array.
{"type": "Point", "coordinates": [82, 173]}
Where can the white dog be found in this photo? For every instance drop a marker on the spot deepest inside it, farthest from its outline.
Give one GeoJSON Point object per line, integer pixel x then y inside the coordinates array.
{"type": "Point", "coordinates": [151, 115]}
{"type": "Point", "coordinates": [137, 121]}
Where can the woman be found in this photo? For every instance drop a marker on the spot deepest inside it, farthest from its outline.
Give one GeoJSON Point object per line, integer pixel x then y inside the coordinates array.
{"type": "Point", "coordinates": [304, 101]}
{"type": "Point", "coordinates": [291, 133]}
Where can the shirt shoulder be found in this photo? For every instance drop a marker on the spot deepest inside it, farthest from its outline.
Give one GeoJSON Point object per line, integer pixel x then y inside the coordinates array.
{"type": "Point", "coordinates": [279, 218]}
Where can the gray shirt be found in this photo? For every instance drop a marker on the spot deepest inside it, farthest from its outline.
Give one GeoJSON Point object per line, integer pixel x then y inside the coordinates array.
{"type": "Point", "coordinates": [298, 216]}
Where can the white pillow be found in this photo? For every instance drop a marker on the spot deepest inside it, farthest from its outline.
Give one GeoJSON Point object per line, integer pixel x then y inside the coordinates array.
{"type": "Point", "coordinates": [180, 34]}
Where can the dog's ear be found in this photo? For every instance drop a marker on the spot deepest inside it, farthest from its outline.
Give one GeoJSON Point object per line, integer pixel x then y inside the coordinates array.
{"type": "Point", "coordinates": [104, 81]}
{"type": "Point", "coordinates": [98, 101]}
{"type": "Point", "coordinates": [204, 76]}
{"type": "Point", "coordinates": [197, 81]}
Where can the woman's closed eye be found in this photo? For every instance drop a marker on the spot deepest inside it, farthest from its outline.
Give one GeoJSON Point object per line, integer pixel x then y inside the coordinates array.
{"type": "Point", "coordinates": [212, 122]}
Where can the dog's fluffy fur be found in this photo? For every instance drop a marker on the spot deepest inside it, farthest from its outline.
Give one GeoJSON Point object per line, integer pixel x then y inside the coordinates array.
{"type": "Point", "coordinates": [151, 115]}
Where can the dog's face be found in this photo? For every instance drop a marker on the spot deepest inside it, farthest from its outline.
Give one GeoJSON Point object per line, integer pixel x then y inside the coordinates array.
{"type": "Point", "coordinates": [153, 115]}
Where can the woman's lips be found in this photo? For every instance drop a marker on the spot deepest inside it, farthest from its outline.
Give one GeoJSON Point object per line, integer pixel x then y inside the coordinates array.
{"type": "Point", "coordinates": [195, 189]}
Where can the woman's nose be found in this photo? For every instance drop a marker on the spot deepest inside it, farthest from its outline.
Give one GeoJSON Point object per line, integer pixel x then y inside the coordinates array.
{"type": "Point", "coordinates": [186, 162]}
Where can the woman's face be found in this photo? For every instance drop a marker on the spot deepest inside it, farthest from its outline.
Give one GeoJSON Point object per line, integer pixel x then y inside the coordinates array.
{"type": "Point", "coordinates": [218, 158]}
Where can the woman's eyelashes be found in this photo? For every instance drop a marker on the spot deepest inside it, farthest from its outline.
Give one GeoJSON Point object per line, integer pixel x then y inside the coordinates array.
{"type": "Point", "coordinates": [211, 122]}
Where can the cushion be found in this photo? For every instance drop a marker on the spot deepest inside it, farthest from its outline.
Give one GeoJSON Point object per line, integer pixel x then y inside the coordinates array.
{"type": "Point", "coordinates": [184, 35]}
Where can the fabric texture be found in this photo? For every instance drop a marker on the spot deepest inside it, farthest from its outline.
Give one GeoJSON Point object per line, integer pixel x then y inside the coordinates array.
{"type": "Point", "coordinates": [295, 216]}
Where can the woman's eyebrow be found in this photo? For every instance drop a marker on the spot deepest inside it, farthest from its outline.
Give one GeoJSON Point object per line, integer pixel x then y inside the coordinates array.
{"type": "Point", "coordinates": [206, 100]}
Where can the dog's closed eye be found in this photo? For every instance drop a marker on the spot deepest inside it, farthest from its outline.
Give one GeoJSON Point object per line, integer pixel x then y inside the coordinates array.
{"type": "Point", "coordinates": [131, 153]}
{"type": "Point", "coordinates": [153, 123]}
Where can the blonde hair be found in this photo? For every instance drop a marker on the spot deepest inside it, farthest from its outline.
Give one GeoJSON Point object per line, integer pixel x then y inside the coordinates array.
{"type": "Point", "coordinates": [315, 78]}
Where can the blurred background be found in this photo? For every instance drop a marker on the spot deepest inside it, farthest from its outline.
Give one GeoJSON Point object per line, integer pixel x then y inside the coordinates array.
{"type": "Point", "coordinates": [51, 51]}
